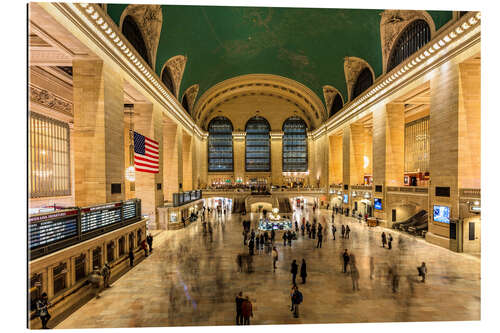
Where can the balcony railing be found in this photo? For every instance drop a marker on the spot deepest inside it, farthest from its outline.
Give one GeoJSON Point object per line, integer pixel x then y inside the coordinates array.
{"type": "Point", "coordinates": [50, 232]}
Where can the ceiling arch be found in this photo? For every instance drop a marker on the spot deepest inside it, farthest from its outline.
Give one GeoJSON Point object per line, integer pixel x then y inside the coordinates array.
{"type": "Point", "coordinates": [300, 98]}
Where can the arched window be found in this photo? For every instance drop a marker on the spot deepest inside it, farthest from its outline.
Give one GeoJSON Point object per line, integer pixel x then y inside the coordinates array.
{"type": "Point", "coordinates": [337, 105]}
{"type": "Point", "coordinates": [415, 35]}
{"type": "Point", "coordinates": [220, 144]}
{"type": "Point", "coordinates": [185, 104]}
{"type": "Point", "coordinates": [258, 146]}
{"type": "Point", "coordinates": [294, 145]}
{"type": "Point", "coordinates": [363, 82]}
{"type": "Point", "coordinates": [132, 32]}
{"type": "Point", "coordinates": [167, 79]}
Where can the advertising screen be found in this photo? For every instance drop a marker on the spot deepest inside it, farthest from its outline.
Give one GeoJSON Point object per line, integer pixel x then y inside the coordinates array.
{"type": "Point", "coordinates": [442, 214]}
{"type": "Point", "coordinates": [346, 198]}
{"type": "Point", "coordinates": [377, 203]}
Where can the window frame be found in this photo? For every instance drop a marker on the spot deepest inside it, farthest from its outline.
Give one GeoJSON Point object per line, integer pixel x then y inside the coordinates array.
{"type": "Point", "coordinates": [262, 120]}
{"type": "Point", "coordinates": [227, 121]}
{"type": "Point", "coordinates": [285, 123]}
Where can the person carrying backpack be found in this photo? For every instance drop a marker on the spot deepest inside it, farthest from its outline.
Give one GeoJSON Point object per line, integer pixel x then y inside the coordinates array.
{"type": "Point", "coordinates": [42, 310]}
{"type": "Point", "coordinates": [297, 299]}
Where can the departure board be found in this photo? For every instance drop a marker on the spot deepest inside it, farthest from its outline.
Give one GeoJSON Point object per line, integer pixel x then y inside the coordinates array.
{"type": "Point", "coordinates": [129, 210]}
{"type": "Point", "coordinates": [43, 231]}
{"type": "Point", "coordinates": [100, 216]}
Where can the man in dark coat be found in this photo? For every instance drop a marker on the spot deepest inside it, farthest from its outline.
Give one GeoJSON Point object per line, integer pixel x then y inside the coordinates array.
{"type": "Point", "coordinates": [320, 239]}
{"type": "Point", "coordinates": [239, 314]}
{"type": "Point", "coordinates": [303, 271]}
{"type": "Point", "coordinates": [345, 256]}
{"type": "Point", "coordinates": [384, 239]}
{"type": "Point", "coordinates": [251, 246]}
{"type": "Point", "coordinates": [294, 270]}
{"type": "Point", "coordinates": [347, 231]}
{"type": "Point", "coordinates": [334, 230]}
{"type": "Point", "coordinates": [343, 230]}
{"type": "Point", "coordinates": [389, 243]}
{"type": "Point", "coordinates": [285, 237]}
{"type": "Point", "coordinates": [149, 239]}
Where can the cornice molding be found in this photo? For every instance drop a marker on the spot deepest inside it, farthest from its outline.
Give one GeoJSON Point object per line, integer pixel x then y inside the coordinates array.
{"type": "Point", "coordinates": [106, 36]}
{"type": "Point", "coordinates": [458, 37]}
{"type": "Point", "coordinates": [50, 100]}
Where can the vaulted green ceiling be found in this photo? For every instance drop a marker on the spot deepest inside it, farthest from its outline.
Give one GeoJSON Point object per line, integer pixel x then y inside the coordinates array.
{"type": "Point", "coordinates": [306, 45]}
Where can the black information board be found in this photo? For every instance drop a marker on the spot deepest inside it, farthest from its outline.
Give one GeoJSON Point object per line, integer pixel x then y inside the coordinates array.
{"type": "Point", "coordinates": [98, 217]}
{"type": "Point", "coordinates": [129, 210]}
{"type": "Point", "coordinates": [46, 232]}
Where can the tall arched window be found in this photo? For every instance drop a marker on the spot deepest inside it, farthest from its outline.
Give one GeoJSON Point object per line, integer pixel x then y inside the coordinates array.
{"type": "Point", "coordinates": [167, 79]}
{"type": "Point", "coordinates": [185, 104]}
{"type": "Point", "coordinates": [220, 144]}
{"type": "Point", "coordinates": [363, 82]}
{"type": "Point", "coordinates": [257, 147]}
{"type": "Point", "coordinates": [294, 145]}
{"type": "Point", "coordinates": [132, 32]}
{"type": "Point", "coordinates": [337, 105]}
{"type": "Point", "coordinates": [415, 35]}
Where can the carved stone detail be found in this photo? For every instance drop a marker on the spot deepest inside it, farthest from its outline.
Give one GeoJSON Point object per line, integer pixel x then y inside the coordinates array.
{"type": "Point", "coordinates": [191, 94]}
{"type": "Point", "coordinates": [50, 100]}
{"type": "Point", "coordinates": [149, 18]}
{"type": "Point", "coordinates": [393, 22]}
{"type": "Point", "coordinates": [176, 66]}
{"type": "Point", "coordinates": [329, 94]}
{"type": "Point", "coordinates": [352, 67]}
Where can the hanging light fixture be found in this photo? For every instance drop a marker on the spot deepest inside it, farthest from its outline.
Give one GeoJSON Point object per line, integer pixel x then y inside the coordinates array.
{"type": "Point", "coordinates": [130, 170]}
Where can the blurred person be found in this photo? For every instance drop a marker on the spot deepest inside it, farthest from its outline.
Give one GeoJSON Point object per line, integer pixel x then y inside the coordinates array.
{"type": "Point", "coordinates": [303, 271]}
{"type": "Point", "coordinates": [293, 270]}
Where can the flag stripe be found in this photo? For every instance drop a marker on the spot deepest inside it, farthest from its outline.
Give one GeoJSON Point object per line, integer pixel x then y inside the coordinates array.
{"type": "Point", "coordinates": [146, 154]}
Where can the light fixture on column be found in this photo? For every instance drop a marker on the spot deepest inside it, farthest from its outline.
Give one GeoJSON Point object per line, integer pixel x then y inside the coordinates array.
{"type": "Point", "coordinates": [130, 170]}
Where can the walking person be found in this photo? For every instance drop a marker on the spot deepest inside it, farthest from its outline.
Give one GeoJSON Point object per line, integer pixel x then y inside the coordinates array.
{"type": "Point", "coordinates": [144, 247]}
{"type": "Point", "coordinates": [334, 230]}
{"type": "Point", "coordinates": [42, 306]}
{"type": "Point", "coordinates": [257, 243]}
{"type": "Point", "coordinates": [285, 236]}
{"type": "Point", "coordinates": [292, 291]}
{"type": "Point", "coordinates": [106, 273]}
{"type": "Point", "coordinates": [355, 277]}
{"type": "Point", "coordinates": [275, 257]}
{"type": "Point", "coordinates": [251, 246]}
{"type": "Point", "coordinates": [289, 237]}
{"type": "Point", "coordinates": [131, 257]}
{"type": "Point", "coordinates": [149, 239]}
{"type": "Point", "coordinates": [313, 231]}
{"type": "Point", "coordinates": [297, 298]}
{"type": "Point", "coordinates": [95, 280]}
{"type": "Point", "coordinates": [422, 271]}
{"type": "Point", "coordinates": [343, 230]}
{"type": "Point", "coordinates": [273, 236]}
{"type": "Point", "coordinates": [239, 309]}
{"type": "Point", "coordinates": [372, 267]}
{"type": "Point", "coordinates": [302, 228]}
{"type": "Point", "coordinates": [347, 231]}
{"type": "Point", "coordinates": [303, 271]}
{"type": "Point", "coordinates": [246, 310]}
{"type": "Point", "coordinates": [320, 239]}
{"type": "Point", "coordinates": [262, 241]}
{"type": "Point", "coordinates": [345, 256]}
{"type": "Point", "coordinates": [294, 270]}
{"type": "Point", "coordinates": [384, 239]}
{"type": "Point", "coordinates": [389, 243]}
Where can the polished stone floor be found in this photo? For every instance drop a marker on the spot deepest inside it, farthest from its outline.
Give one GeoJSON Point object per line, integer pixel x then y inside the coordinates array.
{"type": "Point", "coordinates": [192, 280]}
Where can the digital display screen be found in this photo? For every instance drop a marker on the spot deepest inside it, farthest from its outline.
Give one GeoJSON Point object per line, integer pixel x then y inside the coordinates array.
{"type": "Point", "coordinates": [44, 233]}
{"type": "Point", "coordinates": [442, 214]}
{"type": "Point", "coordinates": [96, 219]}
{"type": "Point", "coordinates": [377, 203]}
{"type": "Point", "coordinates": [129, 210]}
{"type": "Point", "coordinates": [346, 198]}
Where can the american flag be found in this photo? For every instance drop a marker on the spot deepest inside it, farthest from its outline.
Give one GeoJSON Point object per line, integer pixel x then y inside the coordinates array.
{"type": "Point", "coordinates": [146, 154]}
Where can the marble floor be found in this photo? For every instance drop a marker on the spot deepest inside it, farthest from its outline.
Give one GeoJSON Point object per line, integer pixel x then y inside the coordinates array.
{"type": "Point", "coordinates": [191, 280]}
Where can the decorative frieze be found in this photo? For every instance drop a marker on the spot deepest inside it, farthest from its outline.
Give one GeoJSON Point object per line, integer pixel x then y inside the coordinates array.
{"type": "Point", "coordinates": [50, 100]}
{"type": "Point", "coordinates": [176, 66]}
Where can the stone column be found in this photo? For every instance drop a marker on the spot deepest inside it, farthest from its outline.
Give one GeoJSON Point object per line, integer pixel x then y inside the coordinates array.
{"type": "Point", "coordinates": [444, 148]}
{"type": "Point", "coordinates": [395, 145]}
{"type": "Point", "coordinates": [357, 154]}
{"type": "Point", "coordinates": [187, 162]}
{"type": "Point", "coordinates": [239, 155]}
{"type": "Point", "coordinates": [148, 121]}
{"type": "Point", "coordinates": [98, 132]}
{"type": "Point", "coordinates": [172, 158]}
{"type": "Point", "coordinates": [336, 161]}
{"type": "Point", "coordinates": [311, 161]}
{"type": "Point", "coordinates": [321, 160]}
{"type": "Point", "coordinates": [346, 164]}
{"type": "Point", "coordinates": [276, 158]}
{"type": "Point", "coordinates": [368, 151]}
